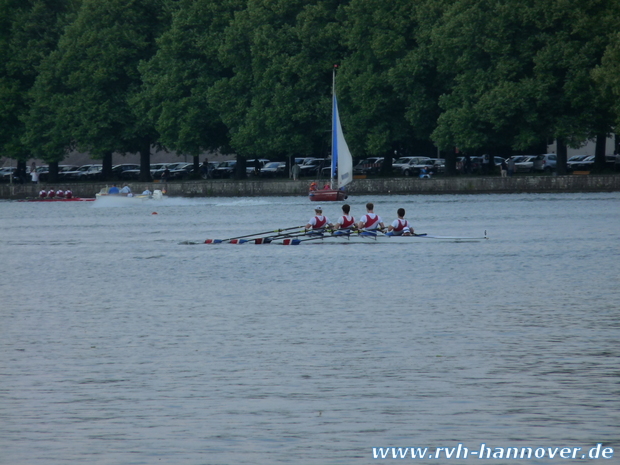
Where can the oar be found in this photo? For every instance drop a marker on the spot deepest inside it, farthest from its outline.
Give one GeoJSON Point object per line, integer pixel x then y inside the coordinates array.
{"type": "Point", "coordinates": [219, 241]}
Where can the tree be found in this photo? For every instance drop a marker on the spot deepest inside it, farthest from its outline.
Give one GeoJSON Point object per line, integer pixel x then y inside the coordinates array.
{"type": "Point", "coordinates": [93, 77]}
{"type": "Point", "coordinates": [29, 31]}
{"type": "Point", "coordinates": [177, 80]}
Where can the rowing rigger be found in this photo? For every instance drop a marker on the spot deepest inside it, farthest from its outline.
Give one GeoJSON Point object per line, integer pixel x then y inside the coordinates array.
{"type": "Point", "coordinates": [347, 237]}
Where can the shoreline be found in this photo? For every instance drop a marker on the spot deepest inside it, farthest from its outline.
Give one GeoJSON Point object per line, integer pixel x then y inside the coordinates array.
{"type": "Point", "coordinates": [380, 186]}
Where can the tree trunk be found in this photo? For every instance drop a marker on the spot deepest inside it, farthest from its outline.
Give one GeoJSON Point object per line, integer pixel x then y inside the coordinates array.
{"type": "Point", "coordinates": [599, 151]}
{"type": "Point", "coordinates": [386, 167]}
{"type": "Point", "coordinates": [52, 175]}
{"type": "Point", "coordinates": [450, 158]}
{"type": "Point", "coordinates": [561, 149]}
{"type": "Point", "coordinates": [240, 168]}
{"type": "Point", "coordinates": [196, 172]}
{"type": "Point", "coordinates": [145, 162]}
{"type": "Point", "coordinates": [106, 170]}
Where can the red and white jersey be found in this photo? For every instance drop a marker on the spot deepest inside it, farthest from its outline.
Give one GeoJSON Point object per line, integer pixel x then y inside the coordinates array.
{"type": "Point", "coordinates": [43, 194]}
{"type": "Point", "coordinates": [68, 194]}
{"type": "Point", "coordinates": [401, 226]}
{"type": "Point", "coordinates": [60, 193]}
{"type": "Point", "coordinates": [371, 221]}
{"type": "Point", "coordinates": [51, 193]}
{"type": "Point", "coordinates": [318, 222]}
{"type": "Point", "coordinates": [346, 221]}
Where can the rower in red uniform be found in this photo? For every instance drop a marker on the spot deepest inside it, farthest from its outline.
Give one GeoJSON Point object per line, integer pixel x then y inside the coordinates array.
{"type": "Point", "coordinates": [346, 222]}
{"type": "Point", "coordinates": [68, 194]}
{"type": "Point", "coordinates": [51, 193]}
{"type": "Point", "coordinates": [60, 194]}
{"type": "Point", "coordinates": [318, 223]}
{"type": "Point", "coordinates": [43, 193]}
{"type": "Point", "coordinates": [370, 221]}
{"type": "Point", "coordinates": [400, 226]}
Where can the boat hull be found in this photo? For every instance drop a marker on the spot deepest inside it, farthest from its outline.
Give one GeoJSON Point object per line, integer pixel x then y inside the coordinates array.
{"type": "Point", "coordinates": [327, 195]}
{"type": "Point", "coordinates": [373, 239]}
{"type": "Point", "coordinates": [72, 199]}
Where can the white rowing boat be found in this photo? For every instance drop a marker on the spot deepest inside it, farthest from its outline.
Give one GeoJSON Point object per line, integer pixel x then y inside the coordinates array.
{"type": "Point", "coordinates": [370, 238]}
{"type": "Point", "coordinates": [340, 238]}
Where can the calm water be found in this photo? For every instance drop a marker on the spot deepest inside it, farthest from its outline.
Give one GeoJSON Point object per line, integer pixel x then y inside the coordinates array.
{"type": "Point", "coordinates": [121, 343]}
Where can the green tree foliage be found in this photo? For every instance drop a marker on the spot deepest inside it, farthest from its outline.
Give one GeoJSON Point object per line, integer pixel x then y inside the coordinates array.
{"type": "Point", "coordinates": [276, 99]}
{"type": "Point", "coordinates": [519, 71]}
{"type": "Point", "coordinates": [94, 76]}
{"type": "Point", "coordinates": [29, 31]}
{"type": "Point", "coordinates": [177, 80]}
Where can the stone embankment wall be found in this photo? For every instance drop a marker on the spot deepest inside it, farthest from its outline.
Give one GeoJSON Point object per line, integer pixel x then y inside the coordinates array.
{"type": "Point", "coordinates": [438, 185]}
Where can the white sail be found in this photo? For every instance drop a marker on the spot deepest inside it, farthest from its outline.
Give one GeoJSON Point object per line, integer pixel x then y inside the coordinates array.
{"type": "Point", "coordinates": [342, 162]}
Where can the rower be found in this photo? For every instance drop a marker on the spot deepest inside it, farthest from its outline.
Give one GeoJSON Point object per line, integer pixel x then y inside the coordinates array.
{"type": "Point", "coordinates": [370, 222]}
{"type": "Point", "coordinates": [318, 223]}
{"type": "Point", "coordinates": [345, 223]}
{"type": "Point", "coordinates": [68, 194]}
{"type": "Point", "coordinates": [400, 226]}
{"type": "Point", "coordinates": [43, 193]}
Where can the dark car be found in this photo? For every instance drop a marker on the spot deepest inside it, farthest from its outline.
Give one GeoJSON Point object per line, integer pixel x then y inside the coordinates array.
{"type": "Point", "coordinates": [181, 172]}
{"type": "Point", "coordinates": [225, 169]}
{"type": "Point", "coordinates": [126, 171]}
{"type": "Point", "coordinates": [371, 165]}
{"type": "Point", "coordinates": [313, 166]}
{"type": "Point", "coordinates": [274, 169]}
{"type": "Point", "coordinates": [250, 166]}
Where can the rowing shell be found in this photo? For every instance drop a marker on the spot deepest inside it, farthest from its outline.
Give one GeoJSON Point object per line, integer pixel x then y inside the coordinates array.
{"type": "Point", "coordinates": [353, 238]}
{"type": "Point", "coordinates": [373, 239]}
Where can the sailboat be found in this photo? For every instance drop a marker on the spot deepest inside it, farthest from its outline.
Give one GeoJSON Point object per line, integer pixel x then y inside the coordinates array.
{"type": "Point", "coordinates": [342, 162]}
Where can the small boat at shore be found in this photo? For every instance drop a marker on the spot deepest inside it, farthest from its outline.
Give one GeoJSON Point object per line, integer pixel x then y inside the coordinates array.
{"type": "Point", "coordinates": [156, 195]}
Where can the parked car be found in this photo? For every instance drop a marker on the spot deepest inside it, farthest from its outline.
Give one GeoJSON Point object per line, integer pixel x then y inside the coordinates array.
{"type": "Point", "coordinates": [477, 163]}
{"type": "Point", "coordinates": [575, 160]}
{"type": "Point", "coordinates": [225, 169]}
{"type": "Point", "coordinates": [81, 173]}
{"type": "Point", "coordinates": [64, 169]}
{"type": "Point", "coordinates": [6, 173]}
{"type": "Point", "coordinates": [158, 169]}
{"type": "Point", "coordinates": [313, 166]}
{"type": "Point", "coordinates": [181, 172]}
{"type": "Point", "coordinates": [547, 162]}
{"type": "Point", "coordinates": [274, 169]}
{"type": "Point", "coordinates": [586, 164]}
{"type": "Point", "coordinates": [371, 165]}
{"type": "Point", "coordinates": [126, 171]}
{"type": "Point", "coordinates": [250, 166]}
{"type": "Point", "coordinates": [409, 166]}
{"type": "Point", "coordinates": [525, 164]}
{"type": "Point", "coordinates": [437, 166]}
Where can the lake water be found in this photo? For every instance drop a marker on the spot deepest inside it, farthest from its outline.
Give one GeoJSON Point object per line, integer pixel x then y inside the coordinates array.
{"type": "Point", "coordinates": [125, 340]}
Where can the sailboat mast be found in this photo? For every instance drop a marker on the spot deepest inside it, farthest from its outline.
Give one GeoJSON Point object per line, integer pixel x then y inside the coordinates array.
{"type": "Point", "coordinates": [334, 130]}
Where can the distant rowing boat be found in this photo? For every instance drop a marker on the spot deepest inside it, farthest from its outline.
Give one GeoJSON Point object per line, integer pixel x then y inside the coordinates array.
{"type": "Point", "coordinates": [156, 195]}
{"type": "Point", "coordinates": [72, 199]}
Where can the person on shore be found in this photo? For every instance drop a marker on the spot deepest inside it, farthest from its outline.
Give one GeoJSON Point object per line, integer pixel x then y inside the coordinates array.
{"type": "Point", "coordinates": [318, 222]}
{"type": "Point", "coordinates": [370, 221]}
{"type": "Point", "coordinates": [34, 174]}
{"type": "Point", "coordinates": [511, 166]}
{"type": "Point", "coordinates": [126, 190]}
{"type": "Point", "coordinates": [113, 190]}
{"type": "Point", "coordinates": [295, 170]}
{"type": "Point", "coordinates": [346, 222]}
{"type": "Point", "coordinates": [400, 226]}
{"type": "Point", "coordinates": [503, 168]}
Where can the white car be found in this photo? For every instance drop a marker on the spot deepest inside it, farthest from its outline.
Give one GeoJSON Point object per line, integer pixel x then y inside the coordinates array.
{"type": "Point", "coordinates": [410, 166]}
